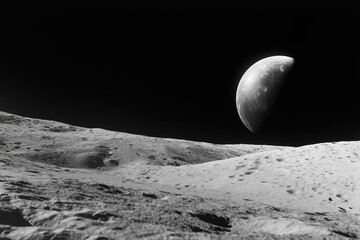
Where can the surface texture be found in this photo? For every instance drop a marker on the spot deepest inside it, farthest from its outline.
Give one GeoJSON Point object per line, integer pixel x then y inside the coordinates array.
{"type": "Point", "coordinates": [65, 182]}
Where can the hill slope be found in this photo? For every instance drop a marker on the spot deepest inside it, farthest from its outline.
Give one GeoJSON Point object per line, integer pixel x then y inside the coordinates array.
{"type": "Point", "coordinates": [68, 182]}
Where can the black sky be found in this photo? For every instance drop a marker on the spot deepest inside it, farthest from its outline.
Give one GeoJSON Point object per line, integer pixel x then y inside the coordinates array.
{"type": "Point", "coordinates": [174, 72]}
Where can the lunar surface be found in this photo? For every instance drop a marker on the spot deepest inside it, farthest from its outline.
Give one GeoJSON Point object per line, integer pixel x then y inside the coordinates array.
{"type": "Point", "coordinates": [59, 181]}
{"type": "Point", "coordinates": [259, 88]}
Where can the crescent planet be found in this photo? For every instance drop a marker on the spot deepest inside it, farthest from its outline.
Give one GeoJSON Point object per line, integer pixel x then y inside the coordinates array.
{"type": "Point", "coordinates": [258, 89]}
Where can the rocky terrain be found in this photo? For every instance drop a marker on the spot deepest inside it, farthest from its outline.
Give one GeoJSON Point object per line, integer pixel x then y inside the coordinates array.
{"type": "Point", "coordinates": [59, 181]}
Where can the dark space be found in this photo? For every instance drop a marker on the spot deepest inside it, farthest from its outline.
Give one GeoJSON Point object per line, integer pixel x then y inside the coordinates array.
{"type": "Point", "coordinates": [174, 72]}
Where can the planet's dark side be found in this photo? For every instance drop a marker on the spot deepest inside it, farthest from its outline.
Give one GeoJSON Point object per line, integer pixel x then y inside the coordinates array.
{"type": "Point", "coordinates": [259, 89]}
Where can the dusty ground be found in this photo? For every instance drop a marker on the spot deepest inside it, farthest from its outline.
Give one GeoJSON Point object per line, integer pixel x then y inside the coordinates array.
{"type": "Point", "coordinates": [65, 182]}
